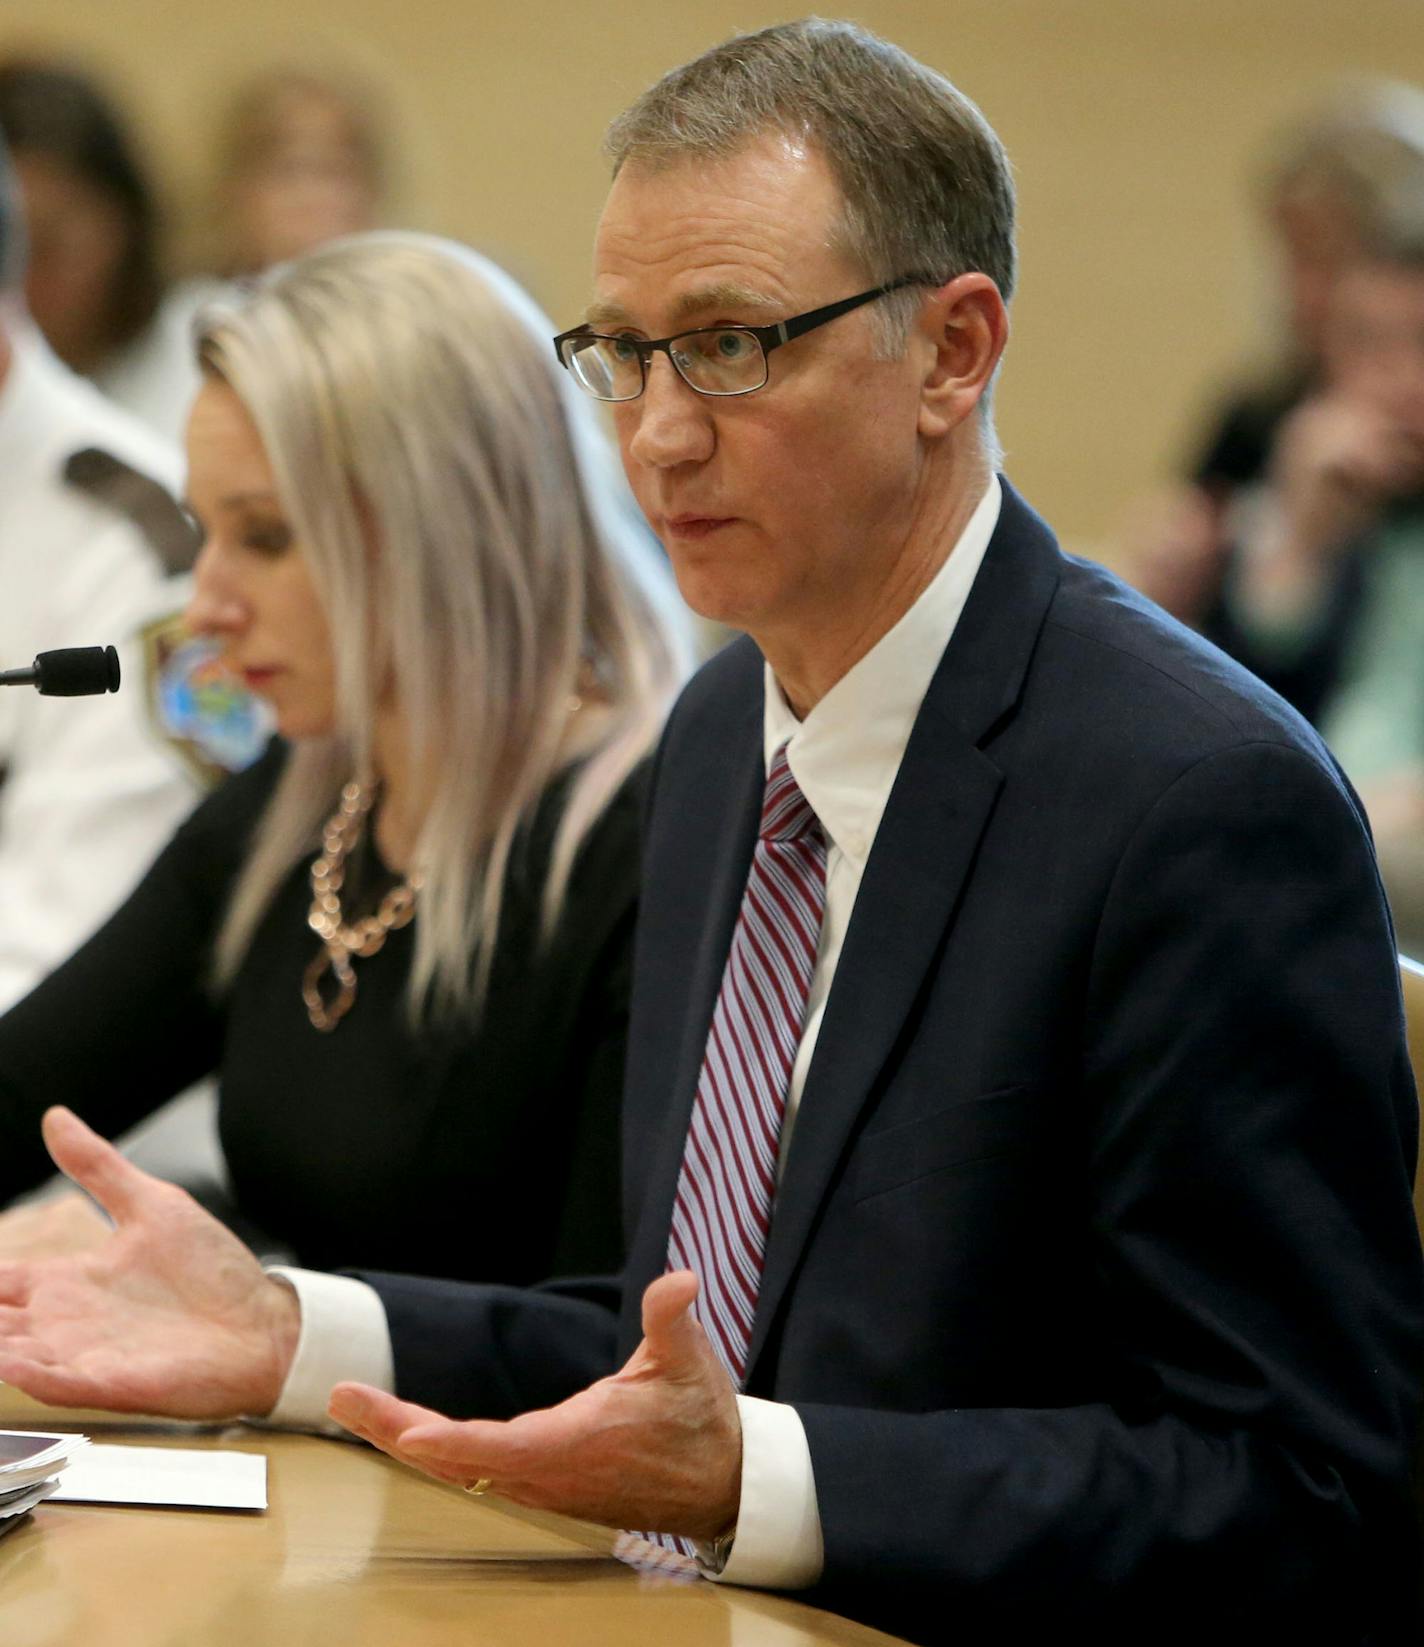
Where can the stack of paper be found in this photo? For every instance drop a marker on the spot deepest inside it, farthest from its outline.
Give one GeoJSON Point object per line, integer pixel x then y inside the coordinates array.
{"type": "Point", "coordinates": [29, 1470]}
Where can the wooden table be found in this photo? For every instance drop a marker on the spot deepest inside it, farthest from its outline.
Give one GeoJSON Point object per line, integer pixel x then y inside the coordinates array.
{"type": "Point", "coordinates": [354, 1551]}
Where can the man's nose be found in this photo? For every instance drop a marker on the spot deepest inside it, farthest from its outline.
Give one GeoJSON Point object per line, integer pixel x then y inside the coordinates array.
{"type": "Point", "coordinates": [215, 607]}
{"type": "Point", "coordinates": [672, 422]}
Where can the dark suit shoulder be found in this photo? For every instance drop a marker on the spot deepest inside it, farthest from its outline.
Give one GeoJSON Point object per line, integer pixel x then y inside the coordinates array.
{"type": "Point", "coordinates": [1137, 678]}
{"type": "Point", "coordinates": [730, 678]}
{"type": "Point", "coordinates": [716, 719]}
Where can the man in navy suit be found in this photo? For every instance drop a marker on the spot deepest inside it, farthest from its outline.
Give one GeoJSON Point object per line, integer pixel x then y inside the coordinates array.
{"type": "Point", "coordinates": [1019, 1142]}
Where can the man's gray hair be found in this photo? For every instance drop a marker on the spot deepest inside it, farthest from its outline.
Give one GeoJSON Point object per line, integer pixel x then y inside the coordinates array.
{"type": "Point", "coordinates": [926, 183]}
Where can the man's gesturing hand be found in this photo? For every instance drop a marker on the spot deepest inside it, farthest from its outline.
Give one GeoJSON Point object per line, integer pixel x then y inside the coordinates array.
{"type": "Point", "coordinates": [169, 1314]}
{"type": "Point", "coordinates": [657, 1447]}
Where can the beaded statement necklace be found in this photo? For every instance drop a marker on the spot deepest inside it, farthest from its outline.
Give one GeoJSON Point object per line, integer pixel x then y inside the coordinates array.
{"type": "Point", "coordinates": [343, 942]}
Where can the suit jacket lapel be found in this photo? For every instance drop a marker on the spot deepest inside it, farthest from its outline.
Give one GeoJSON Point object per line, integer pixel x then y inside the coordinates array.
{"type": "Point", "coordinates": [726, 829]}
{"type": "Point", "coordinates": [941, 802]}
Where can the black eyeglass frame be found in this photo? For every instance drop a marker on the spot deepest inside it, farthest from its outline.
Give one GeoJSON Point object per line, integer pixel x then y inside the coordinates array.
{"type": "Point", "coordinates": [769, 337]}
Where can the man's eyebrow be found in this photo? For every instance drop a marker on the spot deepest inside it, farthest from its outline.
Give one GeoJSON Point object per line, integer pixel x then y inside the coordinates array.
{"type": "Point", "coordinates": [597, 316]}
{"type": "Point", "coordinates": [725, 295]}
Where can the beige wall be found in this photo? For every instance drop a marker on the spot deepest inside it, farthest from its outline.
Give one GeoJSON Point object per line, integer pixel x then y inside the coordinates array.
{"type": "Point", "coordinates": [1131, 122]}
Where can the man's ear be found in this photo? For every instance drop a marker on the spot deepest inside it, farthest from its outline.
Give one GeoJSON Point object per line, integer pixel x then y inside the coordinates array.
{"type": "Point", "coordinates": [966, 327]}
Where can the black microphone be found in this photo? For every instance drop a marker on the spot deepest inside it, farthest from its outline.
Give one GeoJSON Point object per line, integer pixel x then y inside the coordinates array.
{"type": "Point", "coordinates": [72, 672]}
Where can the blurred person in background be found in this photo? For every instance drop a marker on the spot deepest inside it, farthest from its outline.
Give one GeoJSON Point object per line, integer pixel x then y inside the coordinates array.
{"type": "Point", "coordinates": [302, 159]}
{"type": "Point", "coordinates": [1326, 597]}
{"type": "Point", "coordinates": [402, 938]}
{"type": "Point", "coordinates": [95, 282]}
{"type": "Point", "coordinates": [1332, 185]}
{"type": "Point", "coordinates": [304, 156]}
{"type": "Point", "coordinates": [92, 548]}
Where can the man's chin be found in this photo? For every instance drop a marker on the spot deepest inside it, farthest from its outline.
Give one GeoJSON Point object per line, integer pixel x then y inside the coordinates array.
{"type": "Point", "coordinates": [715, 603]}
{"type": "Point", "coordinates": [708, 584]}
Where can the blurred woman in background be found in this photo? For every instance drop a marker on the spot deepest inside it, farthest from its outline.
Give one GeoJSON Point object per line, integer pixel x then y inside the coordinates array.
{"type": "Point", "coordinates": [94, 282]}
{"type": "Point", "coordinates": [403, 937]}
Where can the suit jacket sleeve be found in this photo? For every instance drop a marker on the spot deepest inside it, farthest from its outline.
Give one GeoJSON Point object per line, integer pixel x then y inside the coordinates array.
{"type": "Point", "coordinates": [1250, 1136]}
{"type": "Point", "coordinates": [486, 1351]}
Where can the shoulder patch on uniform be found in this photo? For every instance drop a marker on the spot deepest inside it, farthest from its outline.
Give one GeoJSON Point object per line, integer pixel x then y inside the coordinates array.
{"type": "Point", "coordinates": [213, 722]}
{"type": "Point", "coordinates": [140, 499]}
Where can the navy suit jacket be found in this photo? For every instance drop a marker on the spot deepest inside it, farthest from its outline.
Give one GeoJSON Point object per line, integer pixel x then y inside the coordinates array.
{"type": "Point", "coordinates": [1093, 1272]}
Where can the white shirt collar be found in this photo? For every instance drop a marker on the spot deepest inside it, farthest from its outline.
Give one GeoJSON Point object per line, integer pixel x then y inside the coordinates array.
{"type": "Point", "coordinates": [845, 754]}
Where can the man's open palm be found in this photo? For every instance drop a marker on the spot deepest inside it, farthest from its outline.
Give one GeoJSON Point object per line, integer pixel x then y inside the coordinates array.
{"type": "Point", "coordinates": [170, 1314]}
{"type": "Point", "coordinates": [657, 1446]}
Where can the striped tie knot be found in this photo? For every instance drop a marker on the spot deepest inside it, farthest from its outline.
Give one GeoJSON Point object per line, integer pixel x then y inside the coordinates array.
{"type": "Point", "coordinates": [786, 814]}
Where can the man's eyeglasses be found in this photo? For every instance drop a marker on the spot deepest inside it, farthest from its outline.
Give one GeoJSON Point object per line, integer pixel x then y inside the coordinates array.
{"type": "Point", "coordinates": [717, 360]}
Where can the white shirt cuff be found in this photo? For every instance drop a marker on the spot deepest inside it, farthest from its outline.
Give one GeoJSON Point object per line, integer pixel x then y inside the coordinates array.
{"type": "Point", "coordinates": [778, 1544]}
{"type": "Point", "coordinates": [343, 1336]}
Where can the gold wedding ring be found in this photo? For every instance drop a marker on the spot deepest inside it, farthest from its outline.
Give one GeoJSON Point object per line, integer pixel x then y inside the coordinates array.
{"type": "Point", "coordinates": [477, 1489]}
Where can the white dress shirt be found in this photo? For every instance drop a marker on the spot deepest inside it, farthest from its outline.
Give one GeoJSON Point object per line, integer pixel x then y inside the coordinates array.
{"type": "Point", "coordinates": [845, 756]}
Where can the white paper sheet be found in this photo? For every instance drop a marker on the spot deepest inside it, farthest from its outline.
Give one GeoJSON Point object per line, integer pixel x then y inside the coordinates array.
{"type": "Point", "coordinates": [173, 1476]}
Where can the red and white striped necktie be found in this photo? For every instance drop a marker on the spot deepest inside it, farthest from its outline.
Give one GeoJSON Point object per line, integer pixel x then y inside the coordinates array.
{"type": "Point", "coordinates": [728, 1179]}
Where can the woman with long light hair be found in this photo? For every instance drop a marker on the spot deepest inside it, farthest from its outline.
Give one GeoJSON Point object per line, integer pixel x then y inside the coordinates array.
{"type": "Point", "coordinates": [403, 937]}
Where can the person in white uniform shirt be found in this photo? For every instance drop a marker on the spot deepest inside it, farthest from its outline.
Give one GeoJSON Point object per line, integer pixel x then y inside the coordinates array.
{"type": "Point", "coordinates": [1018, 1123]}
{"type": "Point", "coordinates": [91, 788]}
